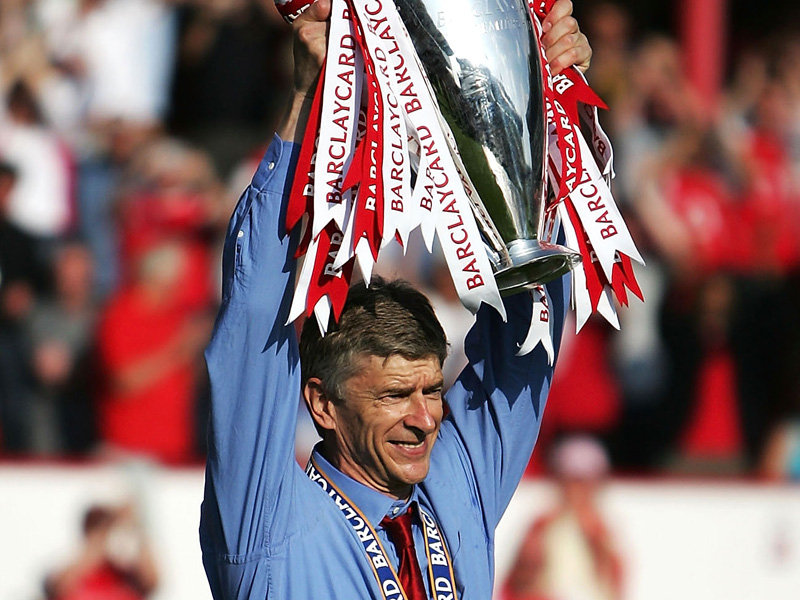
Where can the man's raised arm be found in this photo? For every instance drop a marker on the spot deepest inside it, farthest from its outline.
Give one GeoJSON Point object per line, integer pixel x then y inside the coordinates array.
{"type": "Point", "coordinates": [253, 362]}
{"type": "Point", "coordinates": [498, 401]}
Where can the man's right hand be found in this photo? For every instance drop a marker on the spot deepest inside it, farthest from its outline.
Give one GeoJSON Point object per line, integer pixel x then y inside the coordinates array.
{"type": "Point", "coordinates": [310, 46]}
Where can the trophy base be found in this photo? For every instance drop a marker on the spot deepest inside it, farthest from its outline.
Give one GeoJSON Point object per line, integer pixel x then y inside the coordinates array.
{"type": "Point", "coordinates": [533, 263]}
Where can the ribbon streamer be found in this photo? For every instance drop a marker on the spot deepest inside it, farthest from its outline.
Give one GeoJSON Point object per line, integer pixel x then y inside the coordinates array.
{"type": "Point", "coordinates": [375, 127]}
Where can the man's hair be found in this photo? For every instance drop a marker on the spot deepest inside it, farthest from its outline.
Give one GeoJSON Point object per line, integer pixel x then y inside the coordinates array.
{"type": "Point", "coordinates": [387, 318]}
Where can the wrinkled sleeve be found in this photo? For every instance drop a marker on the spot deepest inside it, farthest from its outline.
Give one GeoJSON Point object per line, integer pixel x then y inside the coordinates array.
{"type": "Point", "coordinates": [253, 368]}
{"type": "Point", "coordinates": [496, 404]}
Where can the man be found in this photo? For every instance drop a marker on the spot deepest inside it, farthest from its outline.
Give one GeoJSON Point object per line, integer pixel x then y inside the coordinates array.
{"type": "Point", "coordinates": [114, 562]}
{"type": "Point", "coordinates": [373, 386]}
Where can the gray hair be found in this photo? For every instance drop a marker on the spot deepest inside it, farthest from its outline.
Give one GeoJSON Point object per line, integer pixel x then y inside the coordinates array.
{"type": "Point", "coordinates": [384, 319]}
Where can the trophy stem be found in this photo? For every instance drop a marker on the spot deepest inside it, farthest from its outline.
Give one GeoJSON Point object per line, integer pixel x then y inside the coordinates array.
{"type": "Point", "coordinates": [533, 263]}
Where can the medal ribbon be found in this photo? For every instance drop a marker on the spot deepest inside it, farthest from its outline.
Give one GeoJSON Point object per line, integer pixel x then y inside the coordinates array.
{"type": "Point", "coordinates": [440, 564]}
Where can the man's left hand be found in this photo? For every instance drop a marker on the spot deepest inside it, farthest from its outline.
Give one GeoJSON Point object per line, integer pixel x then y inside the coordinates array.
{"type": "Point", "coordinates": [563, 41]}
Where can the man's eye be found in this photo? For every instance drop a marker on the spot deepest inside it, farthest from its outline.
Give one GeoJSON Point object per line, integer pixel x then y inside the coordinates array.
{"type": "Point", "coordinates": [393, 398]}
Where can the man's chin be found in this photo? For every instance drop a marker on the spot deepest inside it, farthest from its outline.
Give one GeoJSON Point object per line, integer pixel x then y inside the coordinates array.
{"type": "Point", "coordinates": [415, 475]}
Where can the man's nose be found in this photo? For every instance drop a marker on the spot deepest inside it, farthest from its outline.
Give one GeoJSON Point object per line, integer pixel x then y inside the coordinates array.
{"type": "Point", "coordinates": [419, 413]}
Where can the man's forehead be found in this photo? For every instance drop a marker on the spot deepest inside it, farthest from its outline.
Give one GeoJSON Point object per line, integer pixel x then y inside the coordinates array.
{"type": "Point", "coordinates": [379, 371]}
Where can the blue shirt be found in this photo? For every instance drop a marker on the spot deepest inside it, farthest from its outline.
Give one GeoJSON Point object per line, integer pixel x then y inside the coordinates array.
{"type": "Point", "coordinates": [266, 530]}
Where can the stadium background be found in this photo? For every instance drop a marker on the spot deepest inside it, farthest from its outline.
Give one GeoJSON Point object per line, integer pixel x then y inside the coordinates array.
{"type": "Point", "coordinates": [128, 128]}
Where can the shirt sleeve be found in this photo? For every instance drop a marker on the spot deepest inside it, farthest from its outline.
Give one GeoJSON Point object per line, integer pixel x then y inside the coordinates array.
{"type": "Point", "coordinates": [497, 402]}
{"type": "Point", "coordinates": [253, 368]}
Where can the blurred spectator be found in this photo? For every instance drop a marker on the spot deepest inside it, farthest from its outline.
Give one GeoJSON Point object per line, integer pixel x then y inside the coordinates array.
{"type": "Point", "coordinates": [608, 27]}
{"type": "Point", "coordinates": [171, 193]}
{"type": "Point", "coordinates": [121, 52]}
{"type": "Point", "coordinates": [22, 264]}
{"type": "Point", "coordinates": [101, 179]}
{"type": "Point", "coordinates": [658, 99]}
{"type": "Point", "coordinates": [61, 330]}
{"type": "Point", "coordinates": [41, 202]}
{"type": "Point", "coordinates": [233, 70]}
{"type": "Point", "coordinates": [23, 273]}
{"type": "Point", "coordinates": [568, 553]}
{"type": "Point", "coordinates": [689, 212]}
{"type": "Point", "coordinates": [585, 395]}
{"type": "Point", "coordinates": [149, 346]}
{"type": "Point", "coordinates": [114, 563]}
{"type": "Point", "coordinates": [781, 460]}
{"type": "Point", "coordinates": [106, 90]}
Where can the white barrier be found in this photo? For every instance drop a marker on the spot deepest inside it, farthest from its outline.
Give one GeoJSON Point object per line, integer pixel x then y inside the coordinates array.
{"type": "Point", "coordinates": [687, 541]}
{"type": "Point", "coordinates": [41, 508]}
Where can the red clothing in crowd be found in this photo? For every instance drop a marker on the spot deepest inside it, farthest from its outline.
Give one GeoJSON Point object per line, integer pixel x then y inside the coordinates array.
{"type": "Point", "coordinates": [155, 419]}
{"type": "Point", "coordinates": [102, 583]}
{"type": "Point", "coordinates": [770, 208]}
{"type": "Point", "coordinates": [151, 219]}
{"type": "Point", "coordinates": [585, 395]}
{"type": "Point", "coordinates": [714, 429]}
{"type": "Point", "coordinates": [705, 206]}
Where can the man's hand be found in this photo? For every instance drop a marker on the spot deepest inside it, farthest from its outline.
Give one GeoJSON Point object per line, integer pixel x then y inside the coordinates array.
{"type": "Point", "coordinates": [564, 43]}
{"type": "Point", "coordinates": [309, 48]}
{"type": "Point", "coordinates": [310, 45]}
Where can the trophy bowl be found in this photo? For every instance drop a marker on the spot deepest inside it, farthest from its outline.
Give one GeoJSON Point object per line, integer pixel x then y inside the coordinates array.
{"type": "Point", "coordinates": [482, 60]}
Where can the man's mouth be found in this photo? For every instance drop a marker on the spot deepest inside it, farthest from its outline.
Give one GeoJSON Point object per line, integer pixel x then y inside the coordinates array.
{"type": "Point", "coordinates": [415, 444]}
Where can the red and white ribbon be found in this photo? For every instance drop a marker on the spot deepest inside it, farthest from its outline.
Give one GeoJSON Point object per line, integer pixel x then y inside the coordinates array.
{"type": "Point", "coordinates": [338, 121]}
{"type": "Point", "coordinates": [291, 9]}
{"type": "Point", "coordinates": [579, 173]}
{"type": "Point", "coordinates": [398, 221]}
{"type": "Point", "coordinates": [541, 327]}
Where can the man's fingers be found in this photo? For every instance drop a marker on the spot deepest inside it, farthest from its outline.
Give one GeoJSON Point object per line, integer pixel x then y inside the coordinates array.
{"type": "Point", "coordinates": [319, 11]}
{"type": "Point", "coordinates": [563, 41]}
{"type": "Point", "coordinates": [312, 35]}
{"type": "Point", "coordinates": [561, 28]}
{"type": "Point", "coordinates": [561, 9]}
{"type": "Point", "coordinates": [568, 51]}
{"type": "Point", "coordinates": [565, 45]}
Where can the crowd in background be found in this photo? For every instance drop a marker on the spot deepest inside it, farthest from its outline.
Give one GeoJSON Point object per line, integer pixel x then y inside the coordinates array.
{"type": "Point", "coordinates": [123, 121]}
{"type": "Point", "coordinates": [128, 129]}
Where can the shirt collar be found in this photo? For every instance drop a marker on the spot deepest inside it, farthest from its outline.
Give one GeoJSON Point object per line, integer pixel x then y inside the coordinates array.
{"type": "Point", "coordinates": [373, 504]}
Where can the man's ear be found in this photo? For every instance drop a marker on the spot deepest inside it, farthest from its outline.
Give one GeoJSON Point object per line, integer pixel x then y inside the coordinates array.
{"type": "Point", "coordinates": [319, 404]}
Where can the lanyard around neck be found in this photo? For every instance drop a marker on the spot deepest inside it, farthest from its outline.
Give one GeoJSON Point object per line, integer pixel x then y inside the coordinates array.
{"type": "Point", "coordinates": [440, 565]}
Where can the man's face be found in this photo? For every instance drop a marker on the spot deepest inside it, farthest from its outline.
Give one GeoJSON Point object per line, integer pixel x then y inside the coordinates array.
{"type": "Point", "coordinates": [388, 421]}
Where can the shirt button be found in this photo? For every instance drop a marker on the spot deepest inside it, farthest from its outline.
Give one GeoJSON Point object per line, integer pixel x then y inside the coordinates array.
{"type": "Point", "coordinates": [271, 166]}
{"type": "Point", "coordinates": [395, 510]}
{"type": "Point", "coordinates": [240, 234]}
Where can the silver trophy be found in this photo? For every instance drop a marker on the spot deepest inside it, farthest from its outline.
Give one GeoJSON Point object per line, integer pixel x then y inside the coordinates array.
{"type": "Point", "coordinates": [482, 59]}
